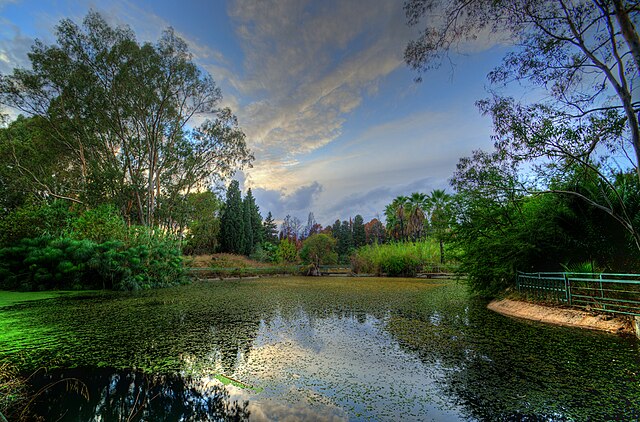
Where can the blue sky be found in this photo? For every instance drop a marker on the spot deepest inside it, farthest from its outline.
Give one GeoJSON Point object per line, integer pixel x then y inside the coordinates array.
{"type": "Point", "coordinates": [334, 118]}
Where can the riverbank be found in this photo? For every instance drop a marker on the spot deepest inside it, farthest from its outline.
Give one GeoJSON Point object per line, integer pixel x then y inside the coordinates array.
{"type": "Point", "coordinates": [561, 316]}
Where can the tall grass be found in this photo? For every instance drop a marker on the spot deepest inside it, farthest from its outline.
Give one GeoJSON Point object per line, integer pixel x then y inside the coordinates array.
{"type": "Point", "coordinates": [397, 259]}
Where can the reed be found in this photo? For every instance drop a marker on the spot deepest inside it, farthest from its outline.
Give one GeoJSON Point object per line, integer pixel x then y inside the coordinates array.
{"type": "Point", "coordinates": [396, 259]}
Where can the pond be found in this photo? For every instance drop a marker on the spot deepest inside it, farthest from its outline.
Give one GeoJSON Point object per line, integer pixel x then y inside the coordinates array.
{"type": "Point", "coordinates": [311, 348]}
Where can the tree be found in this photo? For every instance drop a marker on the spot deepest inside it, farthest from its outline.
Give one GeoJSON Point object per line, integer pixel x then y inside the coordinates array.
{"type": "Point", "coordinates": [417, 208]}
{"type": "Point", "coordinates": [122, 114]}
{"type": "Point", "coordinates": [290, 228]}
{"type": "Point", "coordinates": [344, 239]}
{"type": "Point", "coordinates": [253, 232]}
{"type": "Point", "coordinates": [270, 229]}
{"type": "Point", "coordinates": [439, 203]}
{"type": "Point", "coordinates": [318, 249]}
{"type": "Point", "coordinates": [312, 227]}
{"type": "Point", "coordinates": [500, 229]}
{"type": "Point", "coordinates": [335, 229]}
{"type": "Point", "coordinates": [232, 233]}
{"type": "Point", "coordinates": [287, 251]}
{"type": "Point", "coordinates": [27, 140]}
{"type": "Point", "coordinates": [359, 234]}
{"type": "Point", "coordinates": [396, 216]}
{"type": "Point", "coordinates": [202, 222]}
{"type": "Point", "coordinates": [248, 229]}
{"type": "Point", "coordinates": [584, 56]}
{"type": "Point", "coordinates": [375, 232]}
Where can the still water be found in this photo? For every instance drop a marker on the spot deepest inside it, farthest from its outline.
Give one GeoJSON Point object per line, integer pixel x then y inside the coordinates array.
{"type": "Point", "coordinates": [312, 349]}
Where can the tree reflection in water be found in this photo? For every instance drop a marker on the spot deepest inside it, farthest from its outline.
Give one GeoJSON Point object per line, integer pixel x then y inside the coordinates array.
{"type": "Point", "coordinates": [134, 396]}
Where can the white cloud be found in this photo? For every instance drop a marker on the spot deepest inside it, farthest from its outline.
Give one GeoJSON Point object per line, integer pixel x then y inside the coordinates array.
{"type": "Point", "coordinates": [301, 68]}
{"type": "Point", "coordinates": [364, 174]}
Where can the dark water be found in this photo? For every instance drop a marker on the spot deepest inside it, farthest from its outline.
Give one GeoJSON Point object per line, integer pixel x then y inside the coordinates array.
{"type": "Point", "coordinates": [312, 349]}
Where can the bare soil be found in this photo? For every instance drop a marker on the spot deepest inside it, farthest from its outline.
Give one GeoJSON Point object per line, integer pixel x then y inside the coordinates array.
{"type": "Point", "coordinates": [561, 316]}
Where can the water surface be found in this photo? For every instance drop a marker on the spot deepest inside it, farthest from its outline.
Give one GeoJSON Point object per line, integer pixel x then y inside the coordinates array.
{"type": "Point", "coordinates": [313, 348]}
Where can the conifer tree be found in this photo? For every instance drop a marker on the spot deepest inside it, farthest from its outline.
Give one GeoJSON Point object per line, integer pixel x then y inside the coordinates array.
{"type": "Point", "coordinates": [345, 241]}
{"type": "Point", "coordinates": [232, 221]}
{"type": "Point", "coordinates": [359, 235]}
{"type": "Point", "coordinates": [248, 233]}
{"type": "Point", "coordinates": [270, 229]}
{"type": "Point", "coordinates": [253, 231]}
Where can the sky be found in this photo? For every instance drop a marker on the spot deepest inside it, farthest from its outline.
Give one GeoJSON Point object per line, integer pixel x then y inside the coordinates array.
{"type": "Point", "coordinates": [337, 124]}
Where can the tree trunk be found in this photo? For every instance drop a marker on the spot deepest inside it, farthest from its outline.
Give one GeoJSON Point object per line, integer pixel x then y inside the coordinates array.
{"type": "Point", "coordinates": [628, 31]}
{"type": "Point", "coordinates": [633, 42]}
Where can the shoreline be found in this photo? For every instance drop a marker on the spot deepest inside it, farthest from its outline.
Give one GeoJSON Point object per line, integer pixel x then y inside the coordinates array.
{"type": "Point", "coordinates": [561, 316]}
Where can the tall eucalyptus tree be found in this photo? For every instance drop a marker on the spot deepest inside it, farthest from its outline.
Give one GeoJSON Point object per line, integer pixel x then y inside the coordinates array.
{"type": "Point", "coordinates": [125, 114]}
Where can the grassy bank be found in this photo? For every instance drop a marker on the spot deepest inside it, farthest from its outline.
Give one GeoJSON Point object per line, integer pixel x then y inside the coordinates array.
{"type": "Point", "coordinates": [229, 265]}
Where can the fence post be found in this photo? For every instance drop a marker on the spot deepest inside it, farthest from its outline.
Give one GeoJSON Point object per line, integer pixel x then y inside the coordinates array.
{"type": "Point", "coordinates": [567, 288]}
{"type": "Point", "coordinates": [604, 307]}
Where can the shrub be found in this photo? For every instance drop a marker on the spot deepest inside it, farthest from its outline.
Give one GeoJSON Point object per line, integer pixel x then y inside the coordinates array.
{"type": "Point", "coordinates": [100, 225]}
{"type": "Point", "coordinates": [64, 263]}
{"type": "Point", "coordinates": [287, 251]}
{"type": "Point", "coordinates": [35, 220]}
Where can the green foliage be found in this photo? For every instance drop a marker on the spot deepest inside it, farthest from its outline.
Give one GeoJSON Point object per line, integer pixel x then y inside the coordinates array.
{"type": "Point", "coordinates": [265, 252]}
{"type": "Point", "coordinates": [506, 232]}
{"type": "Point", "coordinates": [45, 263]}
{"type": "Point", "coordinates": [114, 119]}
{"type": "Point", "coordinates": [287, 251]}
{"type": "Point", "coordinates": [319, 249]}
{"type": "Point", "coordinates": [99, 225]}
{"type": "Point", "coordinates": [359, 235]}
{"type": "Point", "coordinates": [396, 259]}
{"type": "Point", "coordinates": [34, 220]}
{"type": "Point", "coordinates": [344, 236]}
{"type": "Point", "coordinates": [202, 222]}
{"type": "Point", "coordinates": [270, 229]}
{"type": "Point", "coordinates": [232, 233]}
{"type": "Point", "coordinates": [253, 231]}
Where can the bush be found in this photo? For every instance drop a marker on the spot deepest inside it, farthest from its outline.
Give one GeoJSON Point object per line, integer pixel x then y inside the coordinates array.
{"type": "Point", "coordinates": [47, 263]}
{"type": "Point", "coordinates": [265, 252]}
{"type": "Point", "coordinates": [287, 251]}
{"type": "Point", "coordinates": [35, 220]}
{"type": "Point", "coordinates": [100, 225]}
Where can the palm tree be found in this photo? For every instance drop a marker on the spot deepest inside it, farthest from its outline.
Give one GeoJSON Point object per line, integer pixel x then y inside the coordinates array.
{"type": "Point", "coordinates": [439, 202]}
{"type": "Point", "coordinates": [395, 214]}
{"type": "Point", "coordinates": [417, 205]}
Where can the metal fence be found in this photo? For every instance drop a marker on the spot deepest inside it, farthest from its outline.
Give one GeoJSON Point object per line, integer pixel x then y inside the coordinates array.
{"type": "Point", "coordinates": [615, 293]}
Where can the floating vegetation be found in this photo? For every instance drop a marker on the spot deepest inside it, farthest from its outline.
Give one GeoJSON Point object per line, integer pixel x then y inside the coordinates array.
{"type": "Point", "coordinates": [340, 348]}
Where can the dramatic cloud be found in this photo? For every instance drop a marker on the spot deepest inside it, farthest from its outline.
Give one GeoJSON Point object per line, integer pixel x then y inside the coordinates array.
{"type": "Point", "coordinates": [280, 202]}
{"type": "Point", "coordinates": [309, 65]}
{"type": "Point", "coordinates": [320, 88]}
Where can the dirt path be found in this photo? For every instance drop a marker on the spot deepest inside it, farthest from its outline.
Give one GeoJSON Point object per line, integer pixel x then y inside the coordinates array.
{"type": "Point", "coordinates": [560, 316]}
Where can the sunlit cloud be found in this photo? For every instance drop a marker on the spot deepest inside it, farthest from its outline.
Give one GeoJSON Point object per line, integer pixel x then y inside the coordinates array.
{"type": "Point", "coordinates": [302, 68]}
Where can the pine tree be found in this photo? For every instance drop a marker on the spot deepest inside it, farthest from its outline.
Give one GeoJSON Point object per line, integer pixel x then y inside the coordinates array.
{"type": "Point", "coordinates": [270, 229]}
{"type": "Point", "coordinates": [335, 229]}
{"type": "Point", "coordinates": [345, 241]}
{"type": "Point", "coordinates": [256, 221]}
{"type": "Point", "coordinates": [253, 231]}
{"type": "Point", "coordinates": [232, 221]}
{"type": "Point", "coordinates": [247, 226]}
{"type": "Point", "coordinates": [359, 235]}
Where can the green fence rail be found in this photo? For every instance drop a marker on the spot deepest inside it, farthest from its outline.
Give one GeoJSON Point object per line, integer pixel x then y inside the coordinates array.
{"type": "Point", "coordinates": [615, 293]}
